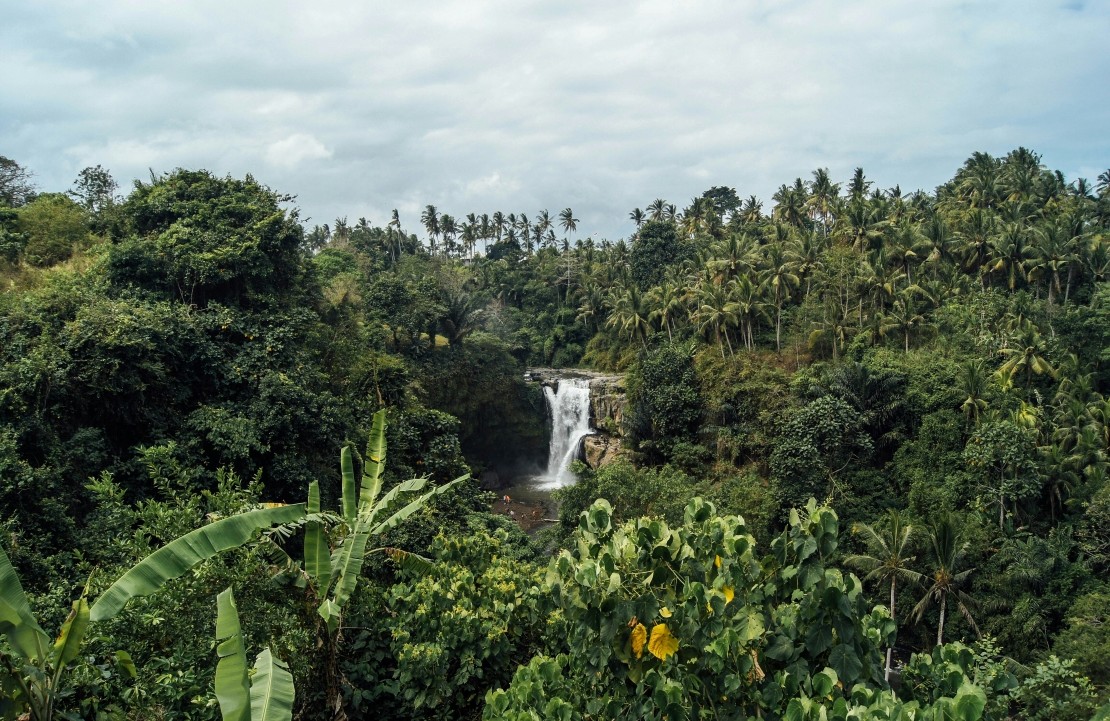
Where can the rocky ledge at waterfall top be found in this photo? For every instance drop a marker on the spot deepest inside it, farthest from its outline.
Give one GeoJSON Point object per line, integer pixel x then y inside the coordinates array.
{"type": "Point", "coordinates": [607, 395]}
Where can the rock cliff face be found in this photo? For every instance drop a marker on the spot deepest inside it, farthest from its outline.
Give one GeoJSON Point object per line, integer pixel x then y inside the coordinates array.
{"type": "Point", "coordinates": [607, 403]}
{"type": "Point", "coordinates": [600, 449]}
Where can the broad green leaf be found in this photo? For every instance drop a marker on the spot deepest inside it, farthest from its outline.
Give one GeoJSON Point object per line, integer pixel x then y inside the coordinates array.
{"type": "Point", "coordinates": [232, 687]}
{"type": "Point", "coordinates": [16, 620]}
{"type": "Point", "coordinates": [749, 624]}
{"type": "Point", "coordinates": [350, 564]}
{"type": "Point", "coordinates": [73, 632]}
{"type": "Point", "coordinates": [123, 660]}
{"type": "Point", "coordinates": [374, 467]}
{"type": "Point", "coordinates": [272, 691]}
{"type": "Point", "coordinates": [970, 702]}
{"type": "Point", "coordinates": [846, 663]}
{"type": "Point", "coordinates": [370, 511]}
{"type": "Point", "coordinates": [317, 555]}
{"type": "Point", "coordinates": [823, 682]}
{"type": "Point", "coordinates": [412, 507]}
{"type": "Point", "coordinates": [350, 499]}
{"type": "Point", "coordinates": [184, 553]}
{"type": "Point", "coordinates": [408, 561]}
{"type": "Point", "coordinates": [330, 613]}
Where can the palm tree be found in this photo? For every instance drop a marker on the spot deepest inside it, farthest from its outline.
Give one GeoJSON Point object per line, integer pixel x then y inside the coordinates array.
{"type": "Point", "coordinates": [715, 312]}
{"type": "Point", "coordinates": [430, 219]}
{"type": "Point", "coordinates": [630, 313]}
{"type": "Point", "coordinates": [858, 185]}
{"type": "Point", "coordinates": [751, 210]}
{"type": "Point", "coordinates": [973, 384]}
{"type": "Point", "coordinates": [543, 224]}
{"type": "Point", "coordinates": [887, 560]}
{"type": "Point", "coordinates": [657, 208]}
{"type": "Point", "coordinates": [567, 220]}
{"type": "Point", "coordinates": [667, 301]}
{"type": "Point", "coordinates": [975, 231]}
{"type": "Point", "coordinates": [903, 317]}
{"type": "Point", "coordinates": [948, 554]}
{"type": "Point", "coordinates": [748, 305]}
{"type": "Point", "coordinates": [1027, 356]}
{"type": "Point", "coordinates": [448, 228]}
{"type": "Point", "coordinates": [1010, 254]}
{"type": "Point", "coordinates": [637, 216]}
{"type": "Point", "coordinates": [823, 194]}
{"type": "Point", "coordinates": [782, 281]}
{"type": "Point", "coordinates": [790, 203]}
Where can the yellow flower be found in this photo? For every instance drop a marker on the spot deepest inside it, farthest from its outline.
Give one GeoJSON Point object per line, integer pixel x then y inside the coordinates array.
{"type": "Point", "coordinates": [662, 643]}
{"type": "Point", "coordinates": [639, 637]}
{"type": "Point", "coordinates": [729, 594]}
{"type": "Point", "coordinates": [665, 612]}
{"type": "Point", "coordinates": [717, 561]}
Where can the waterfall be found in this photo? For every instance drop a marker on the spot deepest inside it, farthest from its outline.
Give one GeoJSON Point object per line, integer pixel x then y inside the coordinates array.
{"type": "Point", "coordinates": [569, 405]}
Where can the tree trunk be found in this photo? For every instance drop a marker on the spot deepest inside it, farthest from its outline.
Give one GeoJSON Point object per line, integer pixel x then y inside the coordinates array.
{"type": "Point", "coordinates": [940, 626]}
{"type": "Point", "coordinates": [778, 327]}
{"type": "Point", "coordinates": [890, 649]}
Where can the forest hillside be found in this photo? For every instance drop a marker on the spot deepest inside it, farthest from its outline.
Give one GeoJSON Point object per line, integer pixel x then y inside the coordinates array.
{"type": "Point", "coordinates": [863, 470]}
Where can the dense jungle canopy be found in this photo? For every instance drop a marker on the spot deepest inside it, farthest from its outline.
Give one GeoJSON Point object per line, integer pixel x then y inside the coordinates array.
{"type": "Point", "coordinates": [891, 411]}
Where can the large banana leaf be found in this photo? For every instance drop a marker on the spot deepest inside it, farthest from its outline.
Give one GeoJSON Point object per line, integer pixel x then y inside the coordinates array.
{"type": "Point", "coordinates": [232, 687]}
{"type": "Point", "coordinates": [412, 507]}
{"type": "Point", "coordinates": [373, 469]}
{"type": "Point", "coordinates": [317, 555]}
{"type": "Point", "coordinates": [350, 562]}
{"type": "Point", "coordinates": [272, 691]}
{"type": "Point", "coordinates": [346, 563]}
{"type": "Point", "coordinates": [354, 548]}
{"type": "Point", "coordinates": [182, 554]}
{"type": "Point", "coordinates": [73, 632]}
{"type": "Point", "coordinates": [349, 499]}
{"type": "Point", "coordinates": [16, 619]}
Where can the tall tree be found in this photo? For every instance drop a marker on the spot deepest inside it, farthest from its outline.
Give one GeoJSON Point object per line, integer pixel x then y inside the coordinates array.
{"type": "Point", "coordinates": [948, 554]}
{"type": "Point", "coordinates": [430, 219]}
{"type": "Point", "coordinates": [887, 559]}
{"type": "Point", "coordinates": [16, 187]}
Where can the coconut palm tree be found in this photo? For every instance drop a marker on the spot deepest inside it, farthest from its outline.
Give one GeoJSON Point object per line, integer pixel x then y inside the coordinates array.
{"type": "Point", "coordinates": [948, 553]}
{"type": "Point", "coordinates": [823, 196]}
{"type": "Point", "coordinates": [567, 221]}
{"type": "Point", "coordinates": [887, 559]}
{"type": "Point", "coordinates": [973, 382]}
{"type": "Point", "coordinates": [1027, 356]}
{"type": "Point", "coordinates": [657, 208]}
{"type": "Point", "coordinates": [781, 281]}
{"type": "Point", "coordinates": [667, 304]}
{"type": "Point", "coordinates": [430, 219]}
{"type": "Point", "coordinates": [715, 312]}
{"type": "Point", "coordinates": [630, 314]}
{"type": "Point", "coordinates": [1011, 254]}
{"type": "Point", "coordinates": [637, 216]}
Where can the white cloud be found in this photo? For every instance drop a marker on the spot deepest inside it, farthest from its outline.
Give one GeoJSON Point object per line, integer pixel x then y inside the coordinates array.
{"type": "Point", "coordinates": [295, 149]}
{"type": "Point", "coordinates": [519, 105]}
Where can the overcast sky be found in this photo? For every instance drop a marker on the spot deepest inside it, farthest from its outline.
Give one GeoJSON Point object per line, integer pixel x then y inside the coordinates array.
{"type": "Point", "coordinates": [520, 105]}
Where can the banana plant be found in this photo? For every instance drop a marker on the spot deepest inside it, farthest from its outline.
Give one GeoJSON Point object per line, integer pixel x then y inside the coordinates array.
{"type": "Point", "coordinates": [268, 695]}
{"type": "Point", "coordinates": [365, 512]}
{"type": "Point", "coordinates": [333, 574]}
{"type": "Point", "coordinates": [33, 666]}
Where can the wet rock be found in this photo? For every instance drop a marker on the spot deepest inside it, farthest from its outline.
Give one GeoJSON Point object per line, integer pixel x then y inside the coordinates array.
{"type": "Point", "coordinates": [600, 449]}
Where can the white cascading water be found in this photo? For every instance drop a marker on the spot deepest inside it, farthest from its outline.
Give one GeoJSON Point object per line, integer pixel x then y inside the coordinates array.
{"type": "Point", "coordinates": [569, 405]}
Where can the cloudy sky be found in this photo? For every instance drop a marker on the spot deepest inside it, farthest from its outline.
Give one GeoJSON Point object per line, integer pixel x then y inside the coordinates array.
{"type": "Point", "coordinates": [520, 105]}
